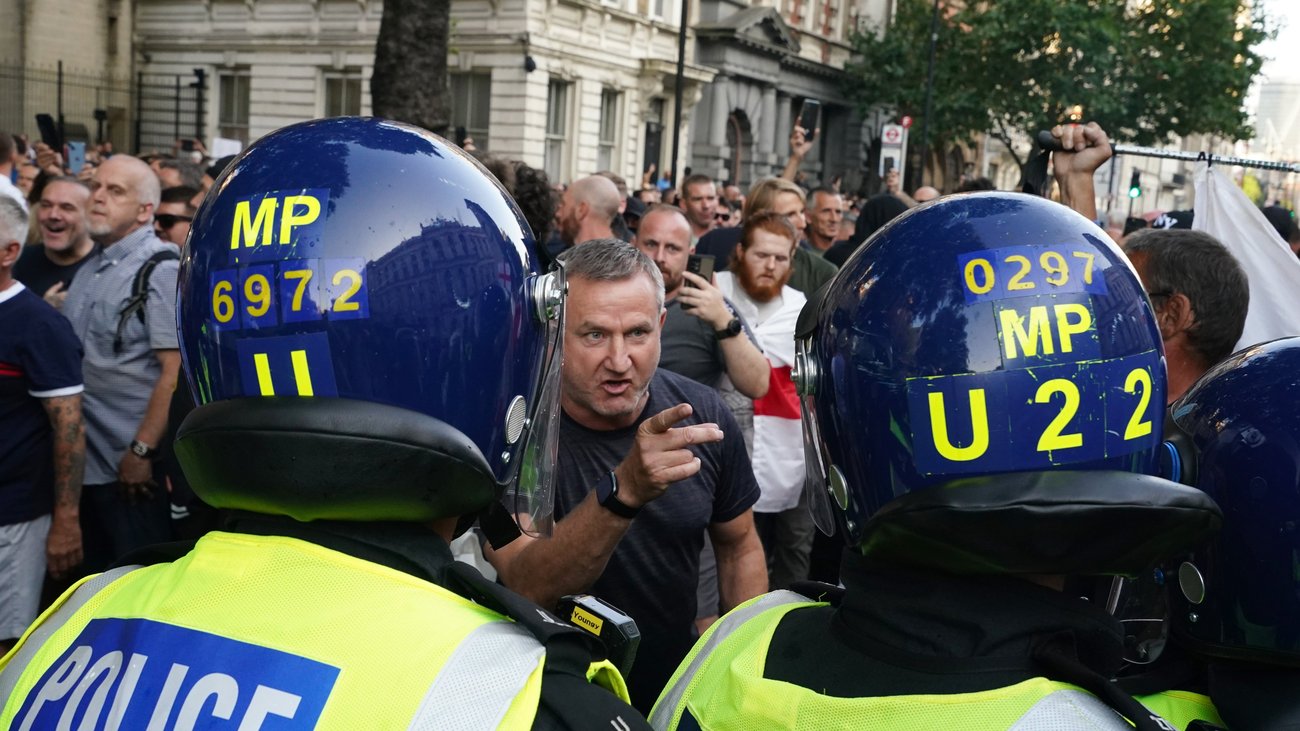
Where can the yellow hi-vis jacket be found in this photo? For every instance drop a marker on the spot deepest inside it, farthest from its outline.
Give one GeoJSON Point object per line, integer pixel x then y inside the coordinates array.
{"type": "Point", "coordinates": [274, 631]}
{"type": "Point", "coordinates": [720, 687]}
{"type": "Point", "coordinates": [1182, 707]}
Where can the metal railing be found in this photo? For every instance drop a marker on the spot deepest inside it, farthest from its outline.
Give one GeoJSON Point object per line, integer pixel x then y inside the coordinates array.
{"type": "Point", "coordinates": [146, 113]}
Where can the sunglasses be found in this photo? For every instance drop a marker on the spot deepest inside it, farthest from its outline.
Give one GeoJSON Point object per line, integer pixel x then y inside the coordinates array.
{"type": "Point", "coordinates": [167, 220]}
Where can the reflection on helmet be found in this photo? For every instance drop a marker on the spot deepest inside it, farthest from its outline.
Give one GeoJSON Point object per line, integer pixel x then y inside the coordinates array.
{"type": "Point", "coordinates": [1239, 597]}
{"type": "Point", "coordinates": [985, 335]}
{"type": "Point", "coordinates": [361, 319]}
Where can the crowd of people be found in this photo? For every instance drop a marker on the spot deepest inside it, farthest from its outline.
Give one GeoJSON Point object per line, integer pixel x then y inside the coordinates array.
{"type": "Point", "coordinates": [737, 370]}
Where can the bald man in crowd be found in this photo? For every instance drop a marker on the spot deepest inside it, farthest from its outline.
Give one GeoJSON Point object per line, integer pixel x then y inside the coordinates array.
{"type": "Point", "coordinates": [130, 363]}
{"type": "Point", "coordinates": [925, 193]}
{"type": "Point", "coordinates": [587, 210]}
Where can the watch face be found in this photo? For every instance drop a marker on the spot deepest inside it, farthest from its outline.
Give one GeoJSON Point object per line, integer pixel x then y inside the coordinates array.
{"type": "Point", "coordinates": [604, 489]}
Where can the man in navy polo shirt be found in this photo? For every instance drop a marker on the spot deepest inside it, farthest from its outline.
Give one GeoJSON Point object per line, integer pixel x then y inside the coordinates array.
{"type": "Point", "coordinates": [43, 442]}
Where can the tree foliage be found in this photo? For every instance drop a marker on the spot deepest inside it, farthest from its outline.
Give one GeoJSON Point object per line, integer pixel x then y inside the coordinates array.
{"type": "Point", "coordinates": [1143, 69]}
{"type": "Point", "coordinates": [409, 83]}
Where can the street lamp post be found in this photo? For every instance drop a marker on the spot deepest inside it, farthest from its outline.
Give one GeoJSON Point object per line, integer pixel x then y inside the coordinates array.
{"type": "Point", "coordinates": [677, 97]}
{"type": "Point", "coordinates": [929, 94]}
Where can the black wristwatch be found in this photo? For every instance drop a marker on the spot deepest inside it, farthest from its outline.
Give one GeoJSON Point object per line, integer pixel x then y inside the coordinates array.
{"type": "Point", "coordinates": [142, 450]}
{"type": "Point", "coordinates": [732, 329]}
{"type": "Point", "coordinates": [607, 496]}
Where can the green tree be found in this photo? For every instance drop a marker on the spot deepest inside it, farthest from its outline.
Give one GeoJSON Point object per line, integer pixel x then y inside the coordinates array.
{"type": "Point", "coordinates": [1143, 69]}
{"type": "Point", "coordinates": [409, 83]}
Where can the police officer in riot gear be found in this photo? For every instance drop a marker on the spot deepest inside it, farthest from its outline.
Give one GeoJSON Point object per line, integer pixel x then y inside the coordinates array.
{"type": "Point", "coordinates": [1234, 604]}
{"type": "Point", "coordinates": [983, 386]}
{"type": "Point", "coordinates": [374, 353]}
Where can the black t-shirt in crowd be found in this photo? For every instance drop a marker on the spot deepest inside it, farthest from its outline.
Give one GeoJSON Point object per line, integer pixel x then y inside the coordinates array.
{"type": "Point", "coordinates": [35, 270]}
{"type": "Point", "coordinates": [653, 572]}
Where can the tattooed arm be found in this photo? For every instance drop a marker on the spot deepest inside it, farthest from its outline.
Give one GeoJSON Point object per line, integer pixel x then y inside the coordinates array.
{"type": "Point", "coordinates": [63, 546]}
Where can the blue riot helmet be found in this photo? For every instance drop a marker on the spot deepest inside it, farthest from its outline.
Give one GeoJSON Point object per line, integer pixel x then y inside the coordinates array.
{"type": "Point", "coordinates": [1239, 596]}
{"type": "Point", "coordinates": [983, 385]}
{"type": "Point", "coordinates": [367, 332]}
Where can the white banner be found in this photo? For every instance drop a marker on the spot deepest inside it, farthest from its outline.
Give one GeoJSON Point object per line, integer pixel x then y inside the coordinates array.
{"type": "Point", "coordinates": [1224, 211]}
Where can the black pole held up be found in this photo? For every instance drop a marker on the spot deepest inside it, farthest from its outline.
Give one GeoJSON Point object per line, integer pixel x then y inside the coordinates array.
{"type": "Point", "coordinates": [1047, 142]}
{"type": "Point", "coordinates": [176, 113]}
{"type": "Point", "coordinates": [677, 95]}
{"type": "Point", "coordinates": [139, 108]}
{"type": "Point", "coordinates": [59, 89]}
{"type": "Point", "coordinates": [199, 85]}
{"type": "Point", "coordinates": [929, 94]}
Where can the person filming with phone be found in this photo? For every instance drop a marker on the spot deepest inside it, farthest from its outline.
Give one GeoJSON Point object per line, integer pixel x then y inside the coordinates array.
{"type": "Point", "coordinates": [700, 333]}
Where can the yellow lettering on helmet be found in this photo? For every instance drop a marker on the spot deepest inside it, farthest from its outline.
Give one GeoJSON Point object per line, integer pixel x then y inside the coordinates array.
{"type": "Point", "coordinates": [246, 227]}
{"type": "Point", "coordinates": [1038, 334]}
{"type": "Point", "coordinates": [979, 418]}
{"type": "Point", "coordinates": [290, 219]}
{"type": "Point", "coordinates": [1067, 329]}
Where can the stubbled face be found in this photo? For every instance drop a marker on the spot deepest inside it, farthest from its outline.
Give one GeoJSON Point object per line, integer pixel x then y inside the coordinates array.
{"type": "Point", "coordinates": [700, 203]}
{"type": "Point", "coordinates": [116, 208]}
{"type": "Point", "coordinates": [611, 350]}
{"type": "Point", "coordinates": [764, 266]}
{"type": "Point", "coordinates": [566, 219]}
{"type": "Point", "coordinates": [828, 211]}
{"type": "Point", "coordinates": [665, 237]}
{"type": "Point", "coordinates": [61, 216]}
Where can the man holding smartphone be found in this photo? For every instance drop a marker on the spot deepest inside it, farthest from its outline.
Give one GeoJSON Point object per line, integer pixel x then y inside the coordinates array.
{"type": "Point", "coordinates": [699, 334]}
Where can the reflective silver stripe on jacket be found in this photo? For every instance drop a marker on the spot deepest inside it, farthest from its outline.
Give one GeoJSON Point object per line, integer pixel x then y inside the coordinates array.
{"type": "Point", "coordinates": [667, 705]}
{"type": "Point", "coordinates": [39, 636]}
{"type": "Point", "coordinates": [480, 680]}
{"type": "Point", "coordinates": [1071, 709]}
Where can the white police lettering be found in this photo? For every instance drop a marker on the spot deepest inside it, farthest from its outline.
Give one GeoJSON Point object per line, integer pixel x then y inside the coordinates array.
{"type": "Point", "coordinates": [133, 674]}
{"type": "Point", "coordinates": [87, 686]}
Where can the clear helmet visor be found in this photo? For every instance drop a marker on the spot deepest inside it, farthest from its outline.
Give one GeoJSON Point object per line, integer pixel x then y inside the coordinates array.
{"type": "Point", "coordinates": [531, 496]}
{"type": "Point", "coordinates": [816, 475]}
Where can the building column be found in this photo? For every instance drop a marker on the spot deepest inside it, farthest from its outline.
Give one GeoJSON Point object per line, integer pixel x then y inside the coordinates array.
{"type": "Point", "coordinates": [767, 136]}
{"type": "Point", "coordinates": [719, 111]}
{"type": "Point", "coordinates": [780, 139]}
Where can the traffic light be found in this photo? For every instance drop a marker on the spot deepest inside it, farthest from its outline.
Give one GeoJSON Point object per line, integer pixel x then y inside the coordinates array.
{"type": "Point", "coordinates": [1135, 184]}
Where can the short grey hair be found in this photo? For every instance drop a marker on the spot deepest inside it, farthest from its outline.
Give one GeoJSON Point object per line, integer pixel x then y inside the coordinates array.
{"type": "Point", "coordinates": [13, 221]}
{"type": "Point", "coordinates": [1196, 265]}
{"type": "Point", "coordinates": [611, 260]}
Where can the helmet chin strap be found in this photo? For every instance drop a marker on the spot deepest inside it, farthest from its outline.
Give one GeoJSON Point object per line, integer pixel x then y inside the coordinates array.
{"type": "Point", "coordinates": [497, 524]}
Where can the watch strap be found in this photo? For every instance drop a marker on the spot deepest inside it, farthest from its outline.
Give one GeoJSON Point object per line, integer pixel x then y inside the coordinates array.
{"type": "Point", "coordinates": [142, 450]}
{"type": "Point", "coordinates": [732, 329]}
{"type": "Point", "coordinates": [608, 499]}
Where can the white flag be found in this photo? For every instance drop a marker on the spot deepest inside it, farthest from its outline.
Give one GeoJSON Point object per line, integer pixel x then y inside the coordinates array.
{"type": "Point", "coordinates": [1224, 212]}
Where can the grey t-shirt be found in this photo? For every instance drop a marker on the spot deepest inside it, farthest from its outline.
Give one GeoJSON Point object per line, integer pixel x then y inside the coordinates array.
{"type": "Point", "coordinates": [652, 573]}
{"type": "Point", "coordinates": [689, 347]}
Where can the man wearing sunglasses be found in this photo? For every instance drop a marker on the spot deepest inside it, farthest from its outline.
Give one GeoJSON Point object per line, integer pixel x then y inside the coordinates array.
{"type": "Point", "coordinates": [172, 220]}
